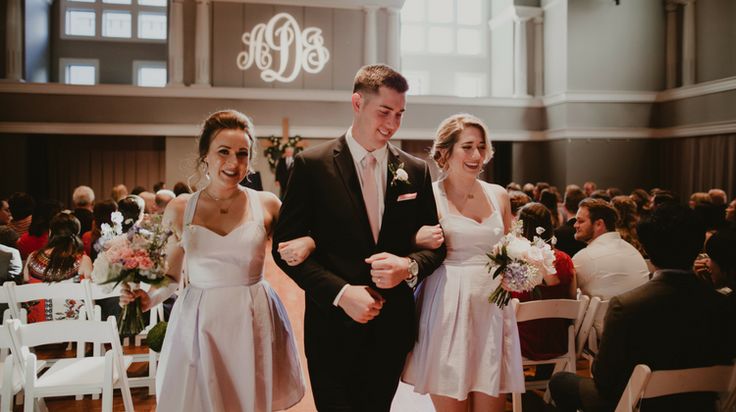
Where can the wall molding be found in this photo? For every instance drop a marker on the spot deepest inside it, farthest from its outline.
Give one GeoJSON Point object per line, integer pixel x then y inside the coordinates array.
{"type": "Point", "coordinates": [191, 130]}
{"type": "Point", "coordinates": [600, 97]}
{"type": "Point", "coordinates": [334, 4]}
{"type": "Point", "coordinates": [700, 89]}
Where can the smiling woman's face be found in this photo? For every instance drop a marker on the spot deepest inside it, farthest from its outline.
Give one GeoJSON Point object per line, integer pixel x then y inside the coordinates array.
{"type": "Point", "coordinates": [227, 158]}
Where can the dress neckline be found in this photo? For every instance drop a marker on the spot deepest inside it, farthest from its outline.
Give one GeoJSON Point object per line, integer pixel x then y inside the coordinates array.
{"type": "Point", "coordinates": [249, 218]}
{"type": "Point", "coordinates": [441, 185]}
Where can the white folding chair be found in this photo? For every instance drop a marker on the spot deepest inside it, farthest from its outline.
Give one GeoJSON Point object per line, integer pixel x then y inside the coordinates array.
{"type": "Point", "coordinates": [11, 380]}
{"type": "Point", "coordinates": [645, 384]}
{"type": "Point", "coordinates": [73, 376]}
{"type": "Point", "coordinates": [547, 309]}
{"type": "Point", "coordinates": [591, 330]}
{"type": "Point", "coordinates": [56, 290]}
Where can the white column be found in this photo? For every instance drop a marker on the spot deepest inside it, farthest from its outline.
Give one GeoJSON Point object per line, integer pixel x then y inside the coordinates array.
{"type": "Point", "coordinates": [370, 41]}
{"type": "Point", "coordinates": [520, 50]}
{"type": "Point", "coordinates": [671, 74]}
{"type": "Point", "coordinates": [393, 38]}
{"type": "Point", "coordinates": [202, 45]}
{"type": "Point", "coordinates": [13, 42]}
{"type": "Point", "coordinates": [688, 43]}
{"type": "Point", "coordinates": [176, 44]}
{"type": "Point", "coordinates": [538, 56]}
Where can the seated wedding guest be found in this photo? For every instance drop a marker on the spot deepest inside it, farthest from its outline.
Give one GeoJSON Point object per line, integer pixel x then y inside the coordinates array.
{"type": "Point", "coordinates": [163, 197]}
{"type": "Point", "coordinates": [675, 321]}
{"type": "Point", "coordinates": [641, 198]}
{"type": "Point", "coordinates": [513, 186]}
{"type": "Point", "coordinates": [101, 214]}
{"type": "Point", "coordinates": [158, 186]}
{"type": "Point", "coordinates": [718, 197]}
{"type": "Point", "coordinates": [137, 190]}
{"type": "Point", "coordinates": [608, 266]}
{"type": "Point", "coordinates": [600, 194]}
{"type": "Point", "coordinates": [660, 196]}
{"type": "Point", "coordinates": [697, 198]}
{"type": "Point", "coordinates": [181, 188]}
{"type": "Point", "coordinates": [712, 216]}
{"type": "Point", "coordinates": [518, 199]}
{"type": "Point", "coordinates": [545, 338]}
{"type": "Point", "coordinates": [61, 260]}
{"type": "Point", "coordinates": [718, 265]}
{"type": "Point", "coordinates": [565, 233]}
{"type": "Point", "coordinates": [119, 192]}
{"type": "Point", "coordinates": [149, 199]}
{"type": "Point", "coordinates": [589, 188]}
{"type": "Point", "coordinates": [528, 188]}
{"type": "Point", "coordinates": [38, 231]}
{"type": "Point", "coordinates": [538, 188]}
{"type": "Point", "coordinates": [5, 216]}
{"type": "Point", "coordinates": [549, 200]}
{"type": "Point", "coordinates": [21, 208]}
{"type": "Point", "coordinates": [627, 221]}
{"type": "Point", "coordinates": [613, 192]}
{"type": "Point", "coordinates": [731, 214]}
{"type": "Point", "coordinates": [83, 200]}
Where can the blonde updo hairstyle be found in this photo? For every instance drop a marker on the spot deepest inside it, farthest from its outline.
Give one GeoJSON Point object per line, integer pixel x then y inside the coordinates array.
{"type": "Point", "coordinates": [448, 134]}
{"type": "Point", "coordinates": [223, 120]}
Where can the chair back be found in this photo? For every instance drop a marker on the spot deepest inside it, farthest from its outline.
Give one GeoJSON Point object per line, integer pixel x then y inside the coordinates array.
{"type": "Point", "coordinates": [11, 311]}
{"type": "Point", "coordinates": [644, 383]}
{"type": "Point", "coordinates": [57, 290]}
{"type": "Point", "coordinates": [592, 323]}
{"type": "Point", "coordinates": [547, 308]}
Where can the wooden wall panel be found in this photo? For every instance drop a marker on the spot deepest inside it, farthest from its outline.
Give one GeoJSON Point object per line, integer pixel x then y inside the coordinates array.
{"type": "Point", "coordinates": [226, 37]}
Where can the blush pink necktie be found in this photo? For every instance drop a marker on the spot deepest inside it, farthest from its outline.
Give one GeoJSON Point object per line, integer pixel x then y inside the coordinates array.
{"type": "Point", "coordinates": [370, 192]}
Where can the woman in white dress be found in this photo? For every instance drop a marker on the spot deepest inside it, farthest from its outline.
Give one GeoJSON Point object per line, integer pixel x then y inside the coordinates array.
{"type": "Point", "coordinates": [467, 353]}
{"type": "Point", "coordinates": [229, 345]}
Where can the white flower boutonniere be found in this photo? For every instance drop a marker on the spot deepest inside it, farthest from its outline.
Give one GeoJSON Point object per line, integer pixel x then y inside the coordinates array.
{"type": "Point", "coordinates": [400, 175]}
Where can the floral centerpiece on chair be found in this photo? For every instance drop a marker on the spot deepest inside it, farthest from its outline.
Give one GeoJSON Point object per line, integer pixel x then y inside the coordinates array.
{"type": "Point", "coordinates": [521, 263]}
{"type": "Point", "coordinates": [131, 258]}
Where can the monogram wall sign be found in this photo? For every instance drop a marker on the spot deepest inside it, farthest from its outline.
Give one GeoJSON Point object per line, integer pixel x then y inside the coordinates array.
{"type": "Point", "coordinates": [297, 49]}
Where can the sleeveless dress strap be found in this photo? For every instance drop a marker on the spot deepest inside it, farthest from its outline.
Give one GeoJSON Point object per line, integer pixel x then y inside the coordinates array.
{"type": "Point", "coordinates": [494, 201]}
{"type": "Point", "coordinates": [190, 208]}
{"type": "Point", "coordinates": [440, 198]}
{"type": "Point", "coordinates": [254, 201]}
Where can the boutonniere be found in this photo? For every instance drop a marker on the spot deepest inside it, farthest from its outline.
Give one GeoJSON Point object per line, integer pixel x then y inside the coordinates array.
{"type": "Point", "coordinates": [400, 175]}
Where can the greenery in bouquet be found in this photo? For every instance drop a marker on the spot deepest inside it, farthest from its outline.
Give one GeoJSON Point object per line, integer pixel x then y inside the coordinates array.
{"type": "Point", "coordinates": [520, 263]}
{"type": "Point", "coordinates": [155, 338]}
{"type": "Point", "coordinates": [138, 256]}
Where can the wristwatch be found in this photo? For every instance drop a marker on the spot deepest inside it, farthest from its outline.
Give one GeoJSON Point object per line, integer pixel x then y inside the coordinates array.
{"type": "Point", "coordinates": [411, 280]}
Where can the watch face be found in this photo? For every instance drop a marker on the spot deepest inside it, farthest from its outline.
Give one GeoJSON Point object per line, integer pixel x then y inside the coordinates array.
{"type": "Point", "coordinates": [413, 268]}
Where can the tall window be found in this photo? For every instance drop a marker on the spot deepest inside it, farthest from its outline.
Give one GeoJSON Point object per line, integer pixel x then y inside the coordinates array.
{"type": "Point", "coordinates": [442, 37]}
{"type": "Point", "coordinates": [128, 20]}
{"type": "Point", "coordinates": [149, 73]}
{"type": "Point", "coordinates": [79, 71]}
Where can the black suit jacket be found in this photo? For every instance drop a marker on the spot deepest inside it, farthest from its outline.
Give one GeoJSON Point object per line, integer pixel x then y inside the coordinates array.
{"type": "Point", "coordinates": [673, 321]}
{"type": "Point", "coordinates": [85, 218]}
{"type": "Point", "coordinates": [325, 201]}
{"type": "Point", "coordinates": [566, 242]}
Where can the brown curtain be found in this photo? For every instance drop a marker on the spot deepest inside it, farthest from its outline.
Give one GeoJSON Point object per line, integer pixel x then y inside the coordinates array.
{"type": "Point", "coordinates": [696, 164]}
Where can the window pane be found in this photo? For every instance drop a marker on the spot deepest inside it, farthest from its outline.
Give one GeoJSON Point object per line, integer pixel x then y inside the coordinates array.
{"type": "Point", "coordinates": [412, 38]}
{"type": "Point", "coordinates": [469, 12]}
{"type": "Point", "coordinates": [440, 40]}
{"type": "Point", "coordinates": [152, 77]}
{"type": "Point", "coordinates": [441, 11]}
{"type": "Point", "coordinates": [469, 41]}
{"type": "Point", "coordinates": [82, 1]}
{"type": "Point", "coordinates": [116, 1]}
{"type": "Point", "coordinates": [80, 74]}
{"type": "Point", "coordinates": [116, 23]}
{"type": "Point", "coordinates": [152, 26]}
{"type": "Point", "coordinates": [418, 82]}
{"type": "Point", "coordinates": [160, 3]}
{"type": "Point", "coordinates": [413, 11]}
{"type": "Point", "coordinates": [80, 22]}
{"type": "Point", "coordinates": [470, 85]}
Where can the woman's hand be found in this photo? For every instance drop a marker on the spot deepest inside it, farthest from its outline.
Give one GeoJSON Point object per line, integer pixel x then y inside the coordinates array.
{"type": "Point", "coordinates": [701, 267]}
{"type": "Point", "coordinates": [429, 237]}
{"type": "Point", "coordinates": [127, 296]}
{"type": "Point", "coordinates": [296, 251]}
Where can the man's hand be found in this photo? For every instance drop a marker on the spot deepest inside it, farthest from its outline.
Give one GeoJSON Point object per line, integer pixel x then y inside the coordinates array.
{"type": "Point", "coordinates": [388, 270]}
{"type": "Point", "coordinates": [361, 303]}
{"type": "Point", "coordinates": [429, 237]}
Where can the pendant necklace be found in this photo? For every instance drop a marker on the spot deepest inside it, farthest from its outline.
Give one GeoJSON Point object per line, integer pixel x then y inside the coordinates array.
{"type": "Point", "coordinates": [223, 210]}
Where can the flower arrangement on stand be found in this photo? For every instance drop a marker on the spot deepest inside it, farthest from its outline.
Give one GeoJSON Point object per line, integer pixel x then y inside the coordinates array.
{"type": "Point", "coordinates": [275, 151]}
{"type": "Point", "coordinates": [520, 263]}
{"type": "Point", "coordinates": [131, 258]}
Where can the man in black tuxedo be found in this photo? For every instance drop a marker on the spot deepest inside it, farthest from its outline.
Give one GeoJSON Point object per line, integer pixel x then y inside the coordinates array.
{"type": "Point", "coordinates": [565, 234]}
{"type": "Point", "coordinates": [283, 169]}
{"type": "Point", "coordinates": [674, 321]}
{"type": "Point", "coordinates": [362, 200]}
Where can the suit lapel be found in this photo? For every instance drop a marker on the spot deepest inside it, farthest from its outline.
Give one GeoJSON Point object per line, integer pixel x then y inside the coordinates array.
{"type": "Point", "coordinates": [346, 168]}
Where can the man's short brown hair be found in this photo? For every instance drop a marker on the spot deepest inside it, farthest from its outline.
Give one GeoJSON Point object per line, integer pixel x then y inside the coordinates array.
{"type": "Point", "coordinates": [600, 209]}
{"type": "Point", "coordinates": [370, 78]}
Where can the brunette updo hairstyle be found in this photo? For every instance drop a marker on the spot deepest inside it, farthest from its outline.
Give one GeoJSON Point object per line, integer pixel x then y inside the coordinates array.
{"type": "Point", "coordinates": [449, 132]}
{"type": "Point", "coordinates": [224, 120]}
{"type": "Point", "coordinates": [132, 208]}
{"type": "Point", "coordinates": [536, 215]}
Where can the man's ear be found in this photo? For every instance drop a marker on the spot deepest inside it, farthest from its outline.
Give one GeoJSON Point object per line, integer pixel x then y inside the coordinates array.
{"type": "Point", "coordinates": [357, 102]}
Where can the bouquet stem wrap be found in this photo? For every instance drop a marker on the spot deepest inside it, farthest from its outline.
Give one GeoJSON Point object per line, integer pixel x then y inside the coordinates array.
{"type": "Point", "coordinates": [130, 319]}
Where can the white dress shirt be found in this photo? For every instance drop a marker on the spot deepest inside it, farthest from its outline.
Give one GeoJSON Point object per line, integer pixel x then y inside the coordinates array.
{"type": "Point", "coordinates": [609, 266]}
{"type": "Point", "coordinates": [380, 175]}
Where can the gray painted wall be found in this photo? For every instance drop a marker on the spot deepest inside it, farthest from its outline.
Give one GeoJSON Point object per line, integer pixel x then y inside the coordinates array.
{"type": "Point", "coordinates": [715, 23]}
{"type": "Point", "coordinates": [614, 47]}
{"type": "Point", "coordinates": [711, 108]}
{"type": "Point", "coordinates": [555, 46]}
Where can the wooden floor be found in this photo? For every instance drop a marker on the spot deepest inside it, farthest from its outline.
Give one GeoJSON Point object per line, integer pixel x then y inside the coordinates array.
{"type": "Point", "coordinates": [293, 299]}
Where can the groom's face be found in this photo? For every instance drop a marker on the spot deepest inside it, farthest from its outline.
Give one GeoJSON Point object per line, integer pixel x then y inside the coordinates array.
{"type": "Point", "coordinates": [377, 116]}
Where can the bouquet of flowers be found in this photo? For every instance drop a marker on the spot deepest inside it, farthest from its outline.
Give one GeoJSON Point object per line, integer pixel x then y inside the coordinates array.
{"type": "Point", "coordinates": [521, 263]}
{"type": "Point", "coordinates": [131, 258]}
